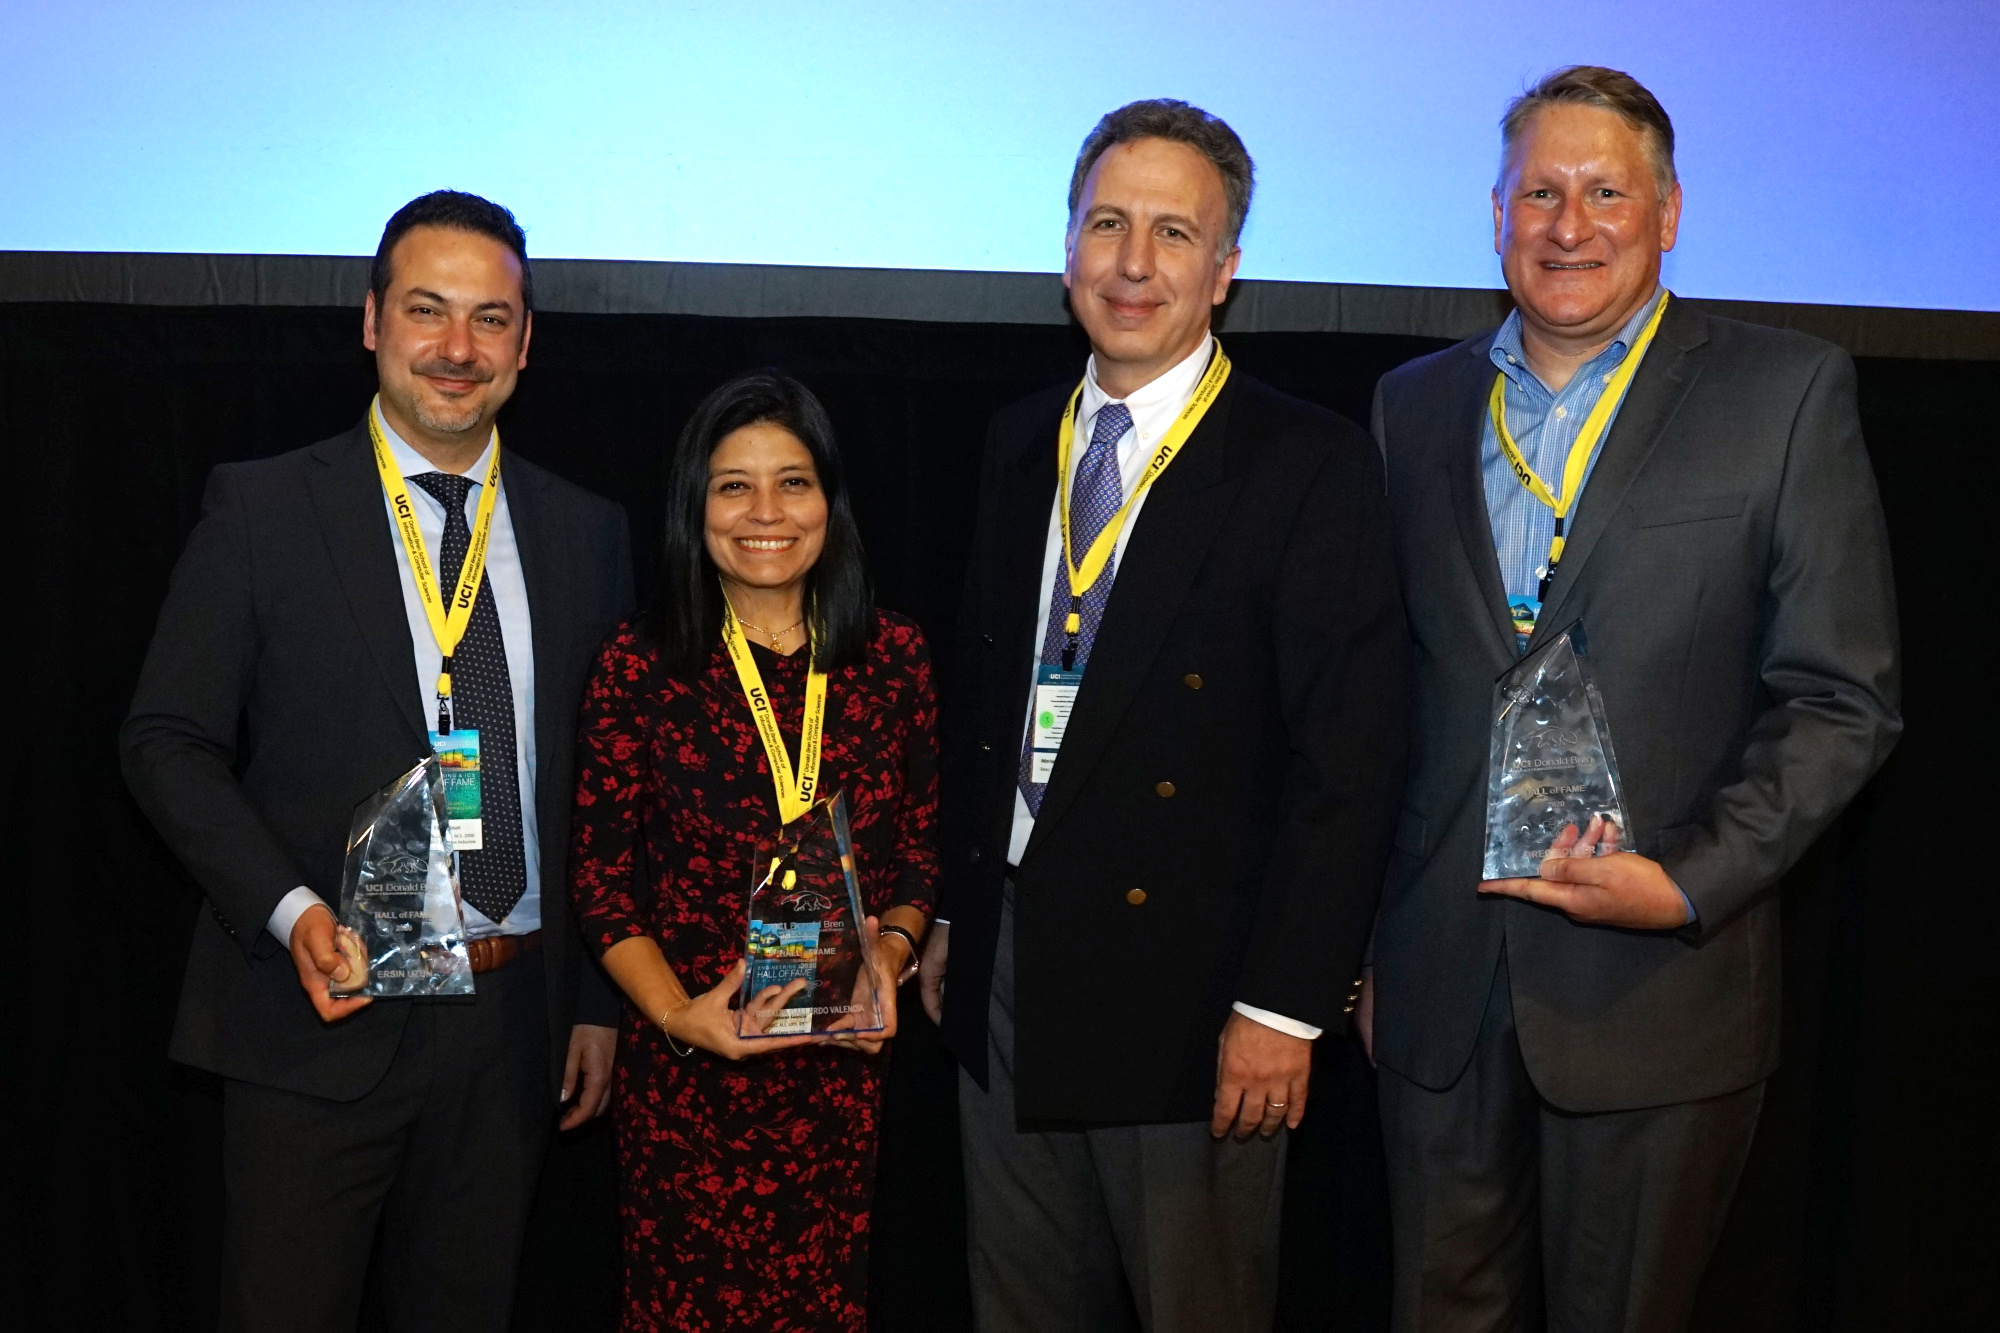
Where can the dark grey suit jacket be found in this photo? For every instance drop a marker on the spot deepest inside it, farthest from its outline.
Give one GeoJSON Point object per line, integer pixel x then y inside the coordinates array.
{"type": "Point", "coordinates": [1730, 563]}
{"type": "Point", "coordinates": [1235, 753]}
{"type": "Point", "coordinates": [280, 689]}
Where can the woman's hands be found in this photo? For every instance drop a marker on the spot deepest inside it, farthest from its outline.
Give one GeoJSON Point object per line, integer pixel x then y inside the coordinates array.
{"type": "Point", "coordinates": [704, 1020]}
{"type": "Point", "coordinates": [890, 953]}
{"type": "Point", "coordinates": [707, 1021]}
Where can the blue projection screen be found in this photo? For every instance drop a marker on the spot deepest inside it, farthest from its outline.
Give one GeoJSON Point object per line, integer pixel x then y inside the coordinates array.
{"type": "Point", "coordinates": [1832, 151]}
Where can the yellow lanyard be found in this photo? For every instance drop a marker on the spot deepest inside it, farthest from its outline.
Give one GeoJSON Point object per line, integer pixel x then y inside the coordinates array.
{"type": "Point", "coordinates": [1579, 452]}
{"type": "Point", "coordinates": [795, 794]}
{"type": "Point", "coordinates": [447, 622]}
{"type": "Point", "coordinates": [1083, 574]}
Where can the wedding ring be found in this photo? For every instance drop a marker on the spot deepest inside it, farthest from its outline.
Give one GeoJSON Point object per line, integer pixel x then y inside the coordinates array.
{"type": "Point", "coordinates": [1275, 1106]}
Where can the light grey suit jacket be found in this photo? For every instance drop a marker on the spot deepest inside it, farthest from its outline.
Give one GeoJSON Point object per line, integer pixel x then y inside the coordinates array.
{"type": "Point", "coordinates": [1730, 563]}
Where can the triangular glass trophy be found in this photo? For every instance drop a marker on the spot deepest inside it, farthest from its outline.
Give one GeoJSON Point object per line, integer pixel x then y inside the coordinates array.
{"type": "Point", "coordinates": [805, 925]}
{"type": "Point", "coordinates": [1551, 763]}
{"type": "Point", "coordinates": [402, 930]}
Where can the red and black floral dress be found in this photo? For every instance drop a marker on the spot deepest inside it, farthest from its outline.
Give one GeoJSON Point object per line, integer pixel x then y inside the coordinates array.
{"type": "Point", "coordinates": [746, 1186]}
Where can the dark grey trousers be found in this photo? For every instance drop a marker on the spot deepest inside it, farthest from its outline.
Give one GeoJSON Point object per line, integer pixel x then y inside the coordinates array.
{"type": "Point", "coordinates": [1154, 1227]}
{"type": "Point", "coordinates": [1510, 1214]}
{"type": "Point", "coordinates": [441, 1156]}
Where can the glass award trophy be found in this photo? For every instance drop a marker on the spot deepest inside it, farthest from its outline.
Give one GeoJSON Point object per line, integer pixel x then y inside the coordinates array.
{"type": "Point", "coordinates": [1551, 763]}
{"type": "Point", "coordinates": [805, 925]}
{"type": "Point", "coordinates": [401, 931]}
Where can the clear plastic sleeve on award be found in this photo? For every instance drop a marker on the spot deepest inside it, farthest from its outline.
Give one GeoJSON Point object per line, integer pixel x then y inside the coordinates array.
{"type": "Point", "coordinates": [805, 925]}
{"type": "Point", "coordinates": [1551, 763]}
{"type": "Point", "coordinates": [402, 931]}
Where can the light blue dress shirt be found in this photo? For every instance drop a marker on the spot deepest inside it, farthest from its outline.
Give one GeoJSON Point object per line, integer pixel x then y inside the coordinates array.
{"type": "Point", "coordinates": [1544, 425]}
{"type": "Point", "coordinates": [510, 599]}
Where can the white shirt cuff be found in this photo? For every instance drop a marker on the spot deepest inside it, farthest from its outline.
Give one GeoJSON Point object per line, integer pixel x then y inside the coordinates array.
{"type": "Point", "coordinates": [290, 908]}
{"type": "Point", "coordinates": [1291, 1027]}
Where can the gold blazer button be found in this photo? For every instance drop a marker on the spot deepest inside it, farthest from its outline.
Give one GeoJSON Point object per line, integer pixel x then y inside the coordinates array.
{"type": "Point", "coordinates": [1135, 896]}
{"type": "Point", "coordinates": [1191, 680]}
{"type": "Point", "coordinates": [1164, 788]}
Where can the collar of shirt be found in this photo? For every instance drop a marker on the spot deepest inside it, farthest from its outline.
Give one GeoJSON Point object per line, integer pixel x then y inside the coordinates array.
{"type": "Point", "coordinates": [1153, 407]}
{"type": "Point", "coordinates": [1511, 358]}
{"type": "Point", "coordinates": [413, 464]}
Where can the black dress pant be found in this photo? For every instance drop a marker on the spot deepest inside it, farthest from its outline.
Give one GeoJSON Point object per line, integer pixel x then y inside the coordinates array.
{"type": "Point", "coordinates": [1115, 1228]}
{"type": "Point", "coordinates": [1508, 1213]}
{"type": "Point", "coordinates": [440, 1159]}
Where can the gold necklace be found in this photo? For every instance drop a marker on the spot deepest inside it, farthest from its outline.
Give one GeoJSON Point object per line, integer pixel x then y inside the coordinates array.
{"type": "Point", "coordinates": [776, 644]}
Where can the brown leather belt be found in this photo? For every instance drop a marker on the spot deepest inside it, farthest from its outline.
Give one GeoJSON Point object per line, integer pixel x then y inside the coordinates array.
{"type": "Point", "coordinates": [493, 951]}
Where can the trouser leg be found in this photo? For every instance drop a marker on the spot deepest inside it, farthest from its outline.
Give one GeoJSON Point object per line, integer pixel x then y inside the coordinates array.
{"type": "Point", "coordinates": [1197, 1224]}
{"type": "Point", "coordinates": [1157, 1227]}
{"type": "Point", "coordinates": [1633, 1203]}
{"type": "Point", "coordinates": [1039, 1242]}
{"type": "Point", "coordinates": [1464, 1188]}
{"type": "Point", "coordinates": [454, 1222]}
{"type": "Point", "coordinates": [304, 1180]}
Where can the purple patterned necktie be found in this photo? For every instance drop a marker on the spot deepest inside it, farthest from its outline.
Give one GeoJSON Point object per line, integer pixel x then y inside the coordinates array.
{"type": "Point", "coordinates": [1094, 496]}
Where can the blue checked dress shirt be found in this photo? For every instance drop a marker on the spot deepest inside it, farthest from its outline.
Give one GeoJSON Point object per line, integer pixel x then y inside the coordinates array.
{"type": "Point", "coordinates": [1544, 425]}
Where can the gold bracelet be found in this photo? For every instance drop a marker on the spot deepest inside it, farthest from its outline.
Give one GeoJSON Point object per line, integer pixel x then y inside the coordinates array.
{"type": "Point", "coordinates": [673, 1045]}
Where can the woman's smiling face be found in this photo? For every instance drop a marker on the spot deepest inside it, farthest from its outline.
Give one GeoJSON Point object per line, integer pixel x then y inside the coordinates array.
{"type": "Point", "coordinates": [766, 516]}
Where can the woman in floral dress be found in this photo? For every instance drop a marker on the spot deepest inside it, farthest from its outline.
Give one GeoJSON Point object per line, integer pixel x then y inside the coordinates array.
{"type": "Point", "coordinates": [748, 1165]}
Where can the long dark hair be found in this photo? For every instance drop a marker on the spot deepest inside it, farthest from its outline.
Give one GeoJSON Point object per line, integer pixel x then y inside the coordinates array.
{"type": "Point", "coordinates": [685, 620]}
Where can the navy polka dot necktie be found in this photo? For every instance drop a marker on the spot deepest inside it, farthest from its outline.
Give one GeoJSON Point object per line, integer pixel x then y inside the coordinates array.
{"type": "Point", "coordinates": [482, 696]}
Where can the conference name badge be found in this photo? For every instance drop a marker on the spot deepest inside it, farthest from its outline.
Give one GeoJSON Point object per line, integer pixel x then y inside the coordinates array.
{"type": "Point", "coordinates": [1524, 611]}
{"type": "Point", "coordinates": [1055, 696]}
{"type": "Point", "coordinates": [458, 758]}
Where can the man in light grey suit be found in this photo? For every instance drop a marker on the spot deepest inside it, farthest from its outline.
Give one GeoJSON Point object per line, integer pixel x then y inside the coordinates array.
{"type": "Point", "coordinates": [1572, 1066]}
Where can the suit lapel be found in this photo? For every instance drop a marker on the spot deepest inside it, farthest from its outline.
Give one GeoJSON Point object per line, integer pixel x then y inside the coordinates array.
{"type": "Point", "coordinates": [1169, 541]}
{"type": "Point", "coordinates": [1670, 369]}
{"type": "Point", "coordinates": [1016, 577]}
{"type": "Point", "coordinates": [1463, 430]}
{"type": "Point", "coordinates": [548, 595]}
{"type": "Point", "coordinates": [347, 498]}
{"type": "Point", "coordinates": [1014, 573]}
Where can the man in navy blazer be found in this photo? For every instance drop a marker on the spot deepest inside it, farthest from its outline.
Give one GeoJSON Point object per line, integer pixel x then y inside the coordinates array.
{"type": "Point", "coordinates": [1158, 881]}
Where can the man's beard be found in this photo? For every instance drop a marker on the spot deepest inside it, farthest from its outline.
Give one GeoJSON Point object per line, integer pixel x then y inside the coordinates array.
{"type": "Point", "coordinates": [447, 418]}
{"type": "Point", "coordinates": [448, 421]}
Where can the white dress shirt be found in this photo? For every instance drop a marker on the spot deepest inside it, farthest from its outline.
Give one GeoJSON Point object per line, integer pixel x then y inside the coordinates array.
{"type": "Point", "coordinates": [1154, 408]}
{"type": "Point", "coordinates": [510, 599]}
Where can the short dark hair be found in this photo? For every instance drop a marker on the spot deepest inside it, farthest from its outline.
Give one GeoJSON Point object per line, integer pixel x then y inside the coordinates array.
{"type": "Point", "coordinates": [1609, 89]}
{"type": "Point", "coordinates": [462, 212]}
{"type": "Point", "coordinates": [1165, 118]}
{"type": "Point", "coordinates": [684, 621]}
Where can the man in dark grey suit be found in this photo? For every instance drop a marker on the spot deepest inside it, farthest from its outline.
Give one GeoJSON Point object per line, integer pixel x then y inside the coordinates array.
{"type": "Point", "coordinates": [1572, 1066]}
{"type": "Point", "coordinates": [291, 675]}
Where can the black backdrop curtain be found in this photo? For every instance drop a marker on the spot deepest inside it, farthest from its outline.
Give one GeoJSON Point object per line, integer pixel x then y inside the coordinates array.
{"type": "Point", "coordinates": [1857, 1210]}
